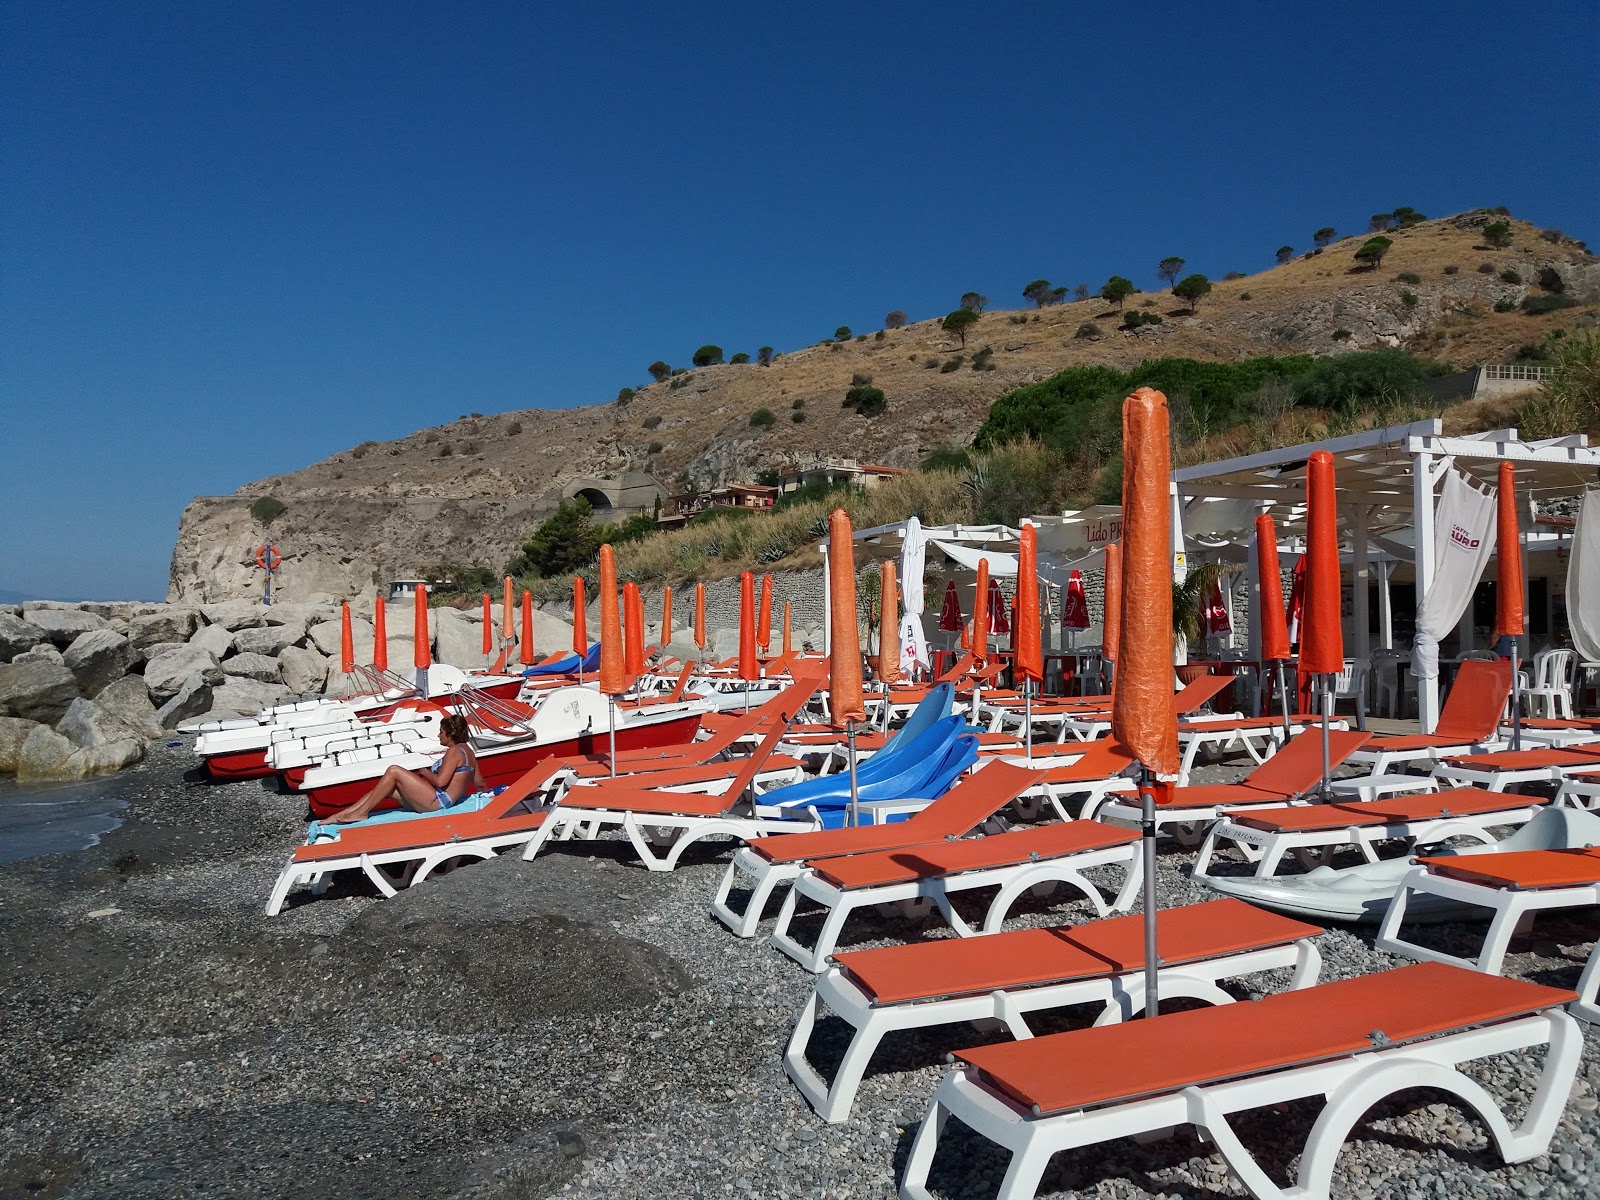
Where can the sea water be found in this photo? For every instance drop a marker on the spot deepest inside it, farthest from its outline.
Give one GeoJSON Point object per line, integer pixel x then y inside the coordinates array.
{"type": "Point", "coordinates": [56, 818]}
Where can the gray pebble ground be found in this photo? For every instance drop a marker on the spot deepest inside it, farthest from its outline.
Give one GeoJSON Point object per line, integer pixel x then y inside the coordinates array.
{"type": "Point", "coordinates": [573, 1026]}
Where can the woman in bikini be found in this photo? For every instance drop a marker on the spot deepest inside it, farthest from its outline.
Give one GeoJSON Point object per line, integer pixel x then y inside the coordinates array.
{"type": "Point", "coordinates": [433, 789]}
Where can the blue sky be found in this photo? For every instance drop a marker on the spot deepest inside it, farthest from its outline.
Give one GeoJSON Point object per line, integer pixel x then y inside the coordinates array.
{"type": "Point", "coordinates": [237, 238]}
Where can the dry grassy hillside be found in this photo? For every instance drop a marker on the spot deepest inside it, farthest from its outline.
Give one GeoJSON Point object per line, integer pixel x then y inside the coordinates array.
{"type": "Point", "coordinates": [509, 466]}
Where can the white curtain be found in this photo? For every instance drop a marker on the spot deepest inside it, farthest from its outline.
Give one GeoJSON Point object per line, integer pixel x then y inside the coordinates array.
{"type": "Point", "coordinates": [1463, 539]}
{"type": "Point", "coordinates": [913, 555]}
{"type": "Point", "coordinates": [1583, 579]}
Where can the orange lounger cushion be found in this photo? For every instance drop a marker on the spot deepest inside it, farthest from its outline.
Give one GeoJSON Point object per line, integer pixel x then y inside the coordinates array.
{"type": "Point", "coordinates": [1424, 806]}
{"type": "Point", "coordinates": [1529, 760]}
{"type": "Point", "coordinates": [603, 797]}
{"type": "Point", "coordinates": [1087, 1067]}
{"type": "Point", "coordinates": [1209, 795]}
{"type": "Point", "coordinates": [1522, 870]}
{"type": "Point", "coordinates": [1040, 957]}
{"type": "Point", "coordinates": [952, 858]}
{"type": "Point", "coordinates": [1417, 741]}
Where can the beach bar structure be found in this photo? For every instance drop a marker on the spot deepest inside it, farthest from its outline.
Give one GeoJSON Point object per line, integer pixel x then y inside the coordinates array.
{"type": "Point", "coordinates": [1388, 485]}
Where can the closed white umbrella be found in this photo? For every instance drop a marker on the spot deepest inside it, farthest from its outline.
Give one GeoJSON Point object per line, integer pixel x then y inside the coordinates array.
{"type": "Point", "coordinates": [913, 642]}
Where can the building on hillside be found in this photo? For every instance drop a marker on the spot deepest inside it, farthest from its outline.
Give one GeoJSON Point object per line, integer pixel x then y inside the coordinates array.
{"type": "Point", "coordinates": [835, 472]}
{"type": "Point", "coordinates": [744, 497]}
{"type": "Point", "coordinates": [404, 589]}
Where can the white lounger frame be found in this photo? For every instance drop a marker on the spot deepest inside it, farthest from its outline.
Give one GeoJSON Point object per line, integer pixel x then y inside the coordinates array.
{"type": "Point", "coordinates": [1121, 996]}
{"type": "Point", "coordinates": [1383, 761]}
{"type": "Point", "coordinates": [1308, 845]}
{"type": "Point", "coordinates": [1352, 1084]}
{"type": "Point", "coordinates": [1013, 880]}
{"type": "Point", "coordinates": [660, 839]}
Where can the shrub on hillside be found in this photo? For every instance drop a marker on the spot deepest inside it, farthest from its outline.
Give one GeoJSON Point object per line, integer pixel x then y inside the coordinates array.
{"type": "Point", "coordinates": [707, 356]}
{"type": "Point", "coordinates": [1536, 305]}
{"type": "Point", "coordinates": [762, 418]}
{"type": "Point", "coordinates": [267, 509]}
{"type": "Point", "coordinates": [1372, 251]}
{"type": "Point", "coordinates": [1408, 298]}
{"type": "Point", "coordinates": [958, 321]}
{"type": "Point", "coordinates": [946, 458]}
{"type": "Point", "coordinates": [1485, 268]}
{"type": "Point", "coordinates": [798, 402]}
{"type": "Point", "coordinates": [1497, 234]}
{"type": "Point", "coordinates": [797, 417]}
{"type": "Point", "coordinates": [895, 320]}
{"type": "Point", "coordinates": [654, 448]}
{"type": "Point", "coordinates": [1570, 401]}
{"type": "Point", "coordinates": [867, 401]}
{"type": "Point", "coordinates": [1510, 276]}
{"type": "Point", "coordinates": [1452, 269]}
{"type": "Point", "coordinates": [1408, 277]}
{"type": "Point", "coordinates": [1135, 319]}
{"type": "Point", "coordinates": [652, 421]}
{"type": "Point", "coordinates": [741, 357]}
{"type": "Point", "coordinates": [1323, 237]}
{"type": "Point", "coordinates": [625, 395]}
{"type": "Point", "coordinates": [764, 356]}
{"type": "Point", "coordinates": [1232, 275]}
{"type": "Point", "coordinates": [1087, 329]}
{"type": "Point", "coordinates": [842, 334]}
{"type": "Point", "coordinates": [1342, 335]}
{"type": "Point", "coordinates": [860, 379]}
{"type": "Point", "coordinates": [1503, 306]}
{"type": "Point", "coordinates": [1284, 254]}
{"type": "Point", "coordinates": [659, 370]}
{"type": "Point", "coordinates": [953, 364]}
{"type": "Point", "coordinates": [1360, 381]}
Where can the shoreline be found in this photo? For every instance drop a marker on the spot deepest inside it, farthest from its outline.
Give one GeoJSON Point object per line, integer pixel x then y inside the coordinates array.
{"type": "Point", "coordinates": [573, 1026]}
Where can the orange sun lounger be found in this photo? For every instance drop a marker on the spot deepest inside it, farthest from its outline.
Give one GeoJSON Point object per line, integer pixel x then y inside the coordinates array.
{"type": "Point", "coordinates": [1353, 1043]}
{"type": "Point", "coordinates": [1004, 976]}
{"type": "Point", "coordinates": [1013, 861]}
{"type": "Point", "coordinates": [772, 862]}
{"type": "Point", "coordinates": [1507, 768]}
{"type": "Point", "coordinates": [1310, 830]}
{"type": "Point", "coordinates": [1468, 723]}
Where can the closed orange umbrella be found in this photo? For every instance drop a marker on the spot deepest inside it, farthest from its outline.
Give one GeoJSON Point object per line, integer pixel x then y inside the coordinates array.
{"type": "Point", "coordinates": [613, 672]}
{"type": "Point", "coordinates": [380, 636]}
{"type": "Point", "coordinates": [700, 615]}
{"type": "Point", "coordinates": [1274, 626]}
{"type": "Point", "coordinates": [1111, 639]}
{"type": "Point", "coordinates": [1025, 634]}
{"type": "Point", "coordinates": [580, 618]}
{"type": "Point", "coordinates": [525, 652]}
{"type": "Point", "coordinates": [1142, 714]}
{"type": "Point", "coordinates": [633, 629]}
{"type": "Point", "coordinates": [347, 641]}
{"type": "Point", "coordinates": [1509, 619]}
{"type": "Point", "coordinates": [889, 626]}
{"type": "Point", "coordinates": [666, 617]}
{"type": "Point", "coordinates": [844, 648]}
{"type": "Point", "coordinates": [422, 648]}
{"type": "Point", "coordinates": [787, 647]}
{"type": "Point", "coordinates": [749, 667]}
{"type": "Point", "coordinates": [488, 625]}
{"type": "Point", "coordinates": [506, 620]}
{"type": "Point", "coordinates": [764, 614]}
{"type": "Point", "coordinates": [980, 613]}
{"type": "Point", "coordinates": [1322, 644]}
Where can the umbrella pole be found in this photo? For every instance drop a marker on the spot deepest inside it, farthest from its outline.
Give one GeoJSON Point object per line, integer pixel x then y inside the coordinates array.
{"type": "Point", "coordinates": [1283, 699]}
{"type": "Point", "coordinates": [1327, 718]}
{"type": "Point", "coordinates": [1027, 717]}
{"type": "Point", "coordinates": [855, 798]}
{"type": "Point", "coordinates": [1152, 966]}
{"type": "Point", "coordinates": [1516, 701]}
{"type": "Point", "coordinates": [611, 723]}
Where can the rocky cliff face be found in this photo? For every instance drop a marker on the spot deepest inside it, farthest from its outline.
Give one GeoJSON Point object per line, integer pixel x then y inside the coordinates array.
{"type": "Point", "coordinates": [472, 491]}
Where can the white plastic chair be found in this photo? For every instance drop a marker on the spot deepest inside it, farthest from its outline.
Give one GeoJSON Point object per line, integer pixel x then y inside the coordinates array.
{"type": "Point", "coordinates": [1387, 698]}
{"type": "Point", "coordinates": [1554, 673]}
{"type": "Point", "coordinates": [1352, 685]}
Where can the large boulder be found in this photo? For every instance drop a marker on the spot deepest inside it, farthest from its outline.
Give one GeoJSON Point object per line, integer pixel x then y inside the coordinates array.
{"type": "Point", "coordinates": [215, 638]}
{"type": "Point", "coordinates": [44, 755]}
{"type": "Point", "coordinates": [90, 727]}
{"type": "Point", "coordinates": [17, 636]}
{"type": "Point", "coordinates": [303, 670]}
{"type": "Point", "coordinates": [324, 636]}
{"type": "Point", "coordinates": [166, 673]}
{"type": "Point", "coordinates": [102, 760]}
{"type": "Point", "coordinates": [97, 658]}
{"type": "Point", "coordinates": [253, 666]}
{"type": "Point", "coordinates": [169, 623]}
{"type": "Point", "coordinates": [271, 640]}
{"type": "Point", "coordinates": [129, 701]}
{"type": "Point", "coordinates": [458, 638]}
{"type": "Point", "coordinates": [192, 698]}
{"type": "Point", "coordinates": [37, 686]}
{"type": "Point", "coordinates": [244, 696]}
{"type": "Point", "coordinates": [13, 732]}
{"type": "Point", "coordinates": [62, 625]}
{"type": "Point", "coordinates": [234, 615]}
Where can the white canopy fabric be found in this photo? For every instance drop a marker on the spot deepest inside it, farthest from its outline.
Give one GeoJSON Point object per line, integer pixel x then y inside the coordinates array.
{"type": "Point", "coordinates": [913, 556]}
{"type": "Point", "coordinates": [1463, 541]}
{"type": "Point", "coordinates": [1583, 579]}
{"type": "Point", "coordinates": [1001, 564]}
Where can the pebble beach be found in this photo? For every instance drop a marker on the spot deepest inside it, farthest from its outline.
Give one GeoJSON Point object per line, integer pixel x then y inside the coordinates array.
{"type": "Point", "coordinates": [574, 1026]}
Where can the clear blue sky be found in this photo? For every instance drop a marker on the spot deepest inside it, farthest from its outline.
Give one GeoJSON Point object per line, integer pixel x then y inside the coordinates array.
{"type": "Point", "coordinates": [236, 238]}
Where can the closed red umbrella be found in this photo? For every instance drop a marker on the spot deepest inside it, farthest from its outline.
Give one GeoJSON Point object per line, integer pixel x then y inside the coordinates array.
{"type": "Point", "coordinates": [997, 609]}
{"type": "Point", "coordinates": [1217, 622]}
{"type": "Point", "coordinates": [1075, 603]}
{"type": "Point", "coordinates": [488, 625]}
{"type": "Point", "coordinates": [1274, 628]}
{"type": "Point", "coordinates": [764, 614]}
{"type": "Point", "coordinates": [506, 619]}
{"type": "Point", "coordinates": [950, 619]}
{"type": "Point", "coordinates": [422, 645]}
{"type": "Point", "coordinates": [787, 646]}
{"type": "Point", "coordinates": [1142, 714]}
{"type": "Point", "coordinates": [633, 629]}
{"type": "Point", "coordinates": [1509, 619]}
{"type": "Point", "coordinates": [1322, 643]}
{"type": "Point", "coordinates": [749, 666]}
{"type": "Point", "coordinates": [525, 652]}
{"type": "Point", "coordinates": [700, 615]}
{"type": "Point", "coordinates": [380, 636]}
{"type": "Point", "coordinates": [1297, 600]}
{"type": "Point", "coordinates": [666, 617]}
{"type": "Point", "coordinates": [347, 643]}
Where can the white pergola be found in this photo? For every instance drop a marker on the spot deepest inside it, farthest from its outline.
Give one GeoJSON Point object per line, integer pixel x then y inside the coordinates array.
{"type": "Point", "coordinates": [1386, 481]}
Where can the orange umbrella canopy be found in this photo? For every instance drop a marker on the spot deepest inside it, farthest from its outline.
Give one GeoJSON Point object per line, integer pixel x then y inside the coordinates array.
{"type": "Point", "coordinates": [633, 629]}
{"type": "Point", "coordinates": [889, 625]}
{"type": "Point", "coordinates": [580, 618]}
{"type": "Point", "coordinates": [380, 635]}
{"type": "Point", "coordinates": [749, 667]}
{"type": "Point", "coordinates": [613, 675]}
{"type": "Point", "coordinates": [844, 647]}
{"type": "Point", "coordinates": [525, 652]}
{"type": "Point", "coordinates": [787, 645]}
{"type": "Point", "coordinates": [422, 649]}
{"type": "Point", "coordinates": [1142, 716]}
{"type": "Point", "coordinates": [347, 641]}
{"type": "Point", "coordinates": [980, 613]}
{"type": "Point", "coordinates": [764, 614]}
{"type": "Point", "coordinates": [1111, 641]}
{"type": "Point", "coordinates": [1025, 635]}
{"type": "Point", "coordinates": [488, 625]}
{"type": "Point", "coordinates": [1322, 643]}
{"type": "Point", "coordinates": [1509, 619]}
{"type": "Point", "coordinates": [1274, 627]}
{"type": "Point", "coordinates": [700, 615]}
{"type": "Point", "coordinates": [666, 617]}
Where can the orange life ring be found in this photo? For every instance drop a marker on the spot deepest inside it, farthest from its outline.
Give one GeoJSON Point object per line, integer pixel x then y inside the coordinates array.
{"type": "Point", "coordinates": [268, 558]}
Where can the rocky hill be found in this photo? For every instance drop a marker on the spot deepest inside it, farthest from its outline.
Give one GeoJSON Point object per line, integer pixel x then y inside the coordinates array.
{"type": "Point", "coordinates": [473, 490]}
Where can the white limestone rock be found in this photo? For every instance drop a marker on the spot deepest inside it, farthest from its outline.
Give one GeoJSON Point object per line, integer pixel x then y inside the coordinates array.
{"type": "Point", "coordinates": [91, 727]}
{"type": "Point", "coordinates": [129, 701]}
{"type": "Point", "coordinates": [169, 623]}
{"type": "Point", "coordinates": [193, 697]}
{"type": "Point", "coordinates": [13, 732]}
{"type": "Point", "coordinates": [44, 755]}
{"type": "Point", "coordinates": [252, 666]}
{"type": "Point", "coordinates": [271, 640]}
{"type": "Point", "coordinates": [97, 658]}
{"type": "Point", "coordinates": [303, 670]}
{"type": "Point", "coordinates": [17, 636]}
{"type": "Point", "coordinates": [37, 686]}
{"type": "Point", "coordinates": [61, 625]}
{"type": "Point", "coordinates": [167, 673]}
{"type": "Point", "coordinates": [215, 638]}
{"type": "Point", "coordinates": [458, 638]}
{"type": "Point", "coordinates": [243, 696]}
{"type": "Point", "coordinates": [324, 635]}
